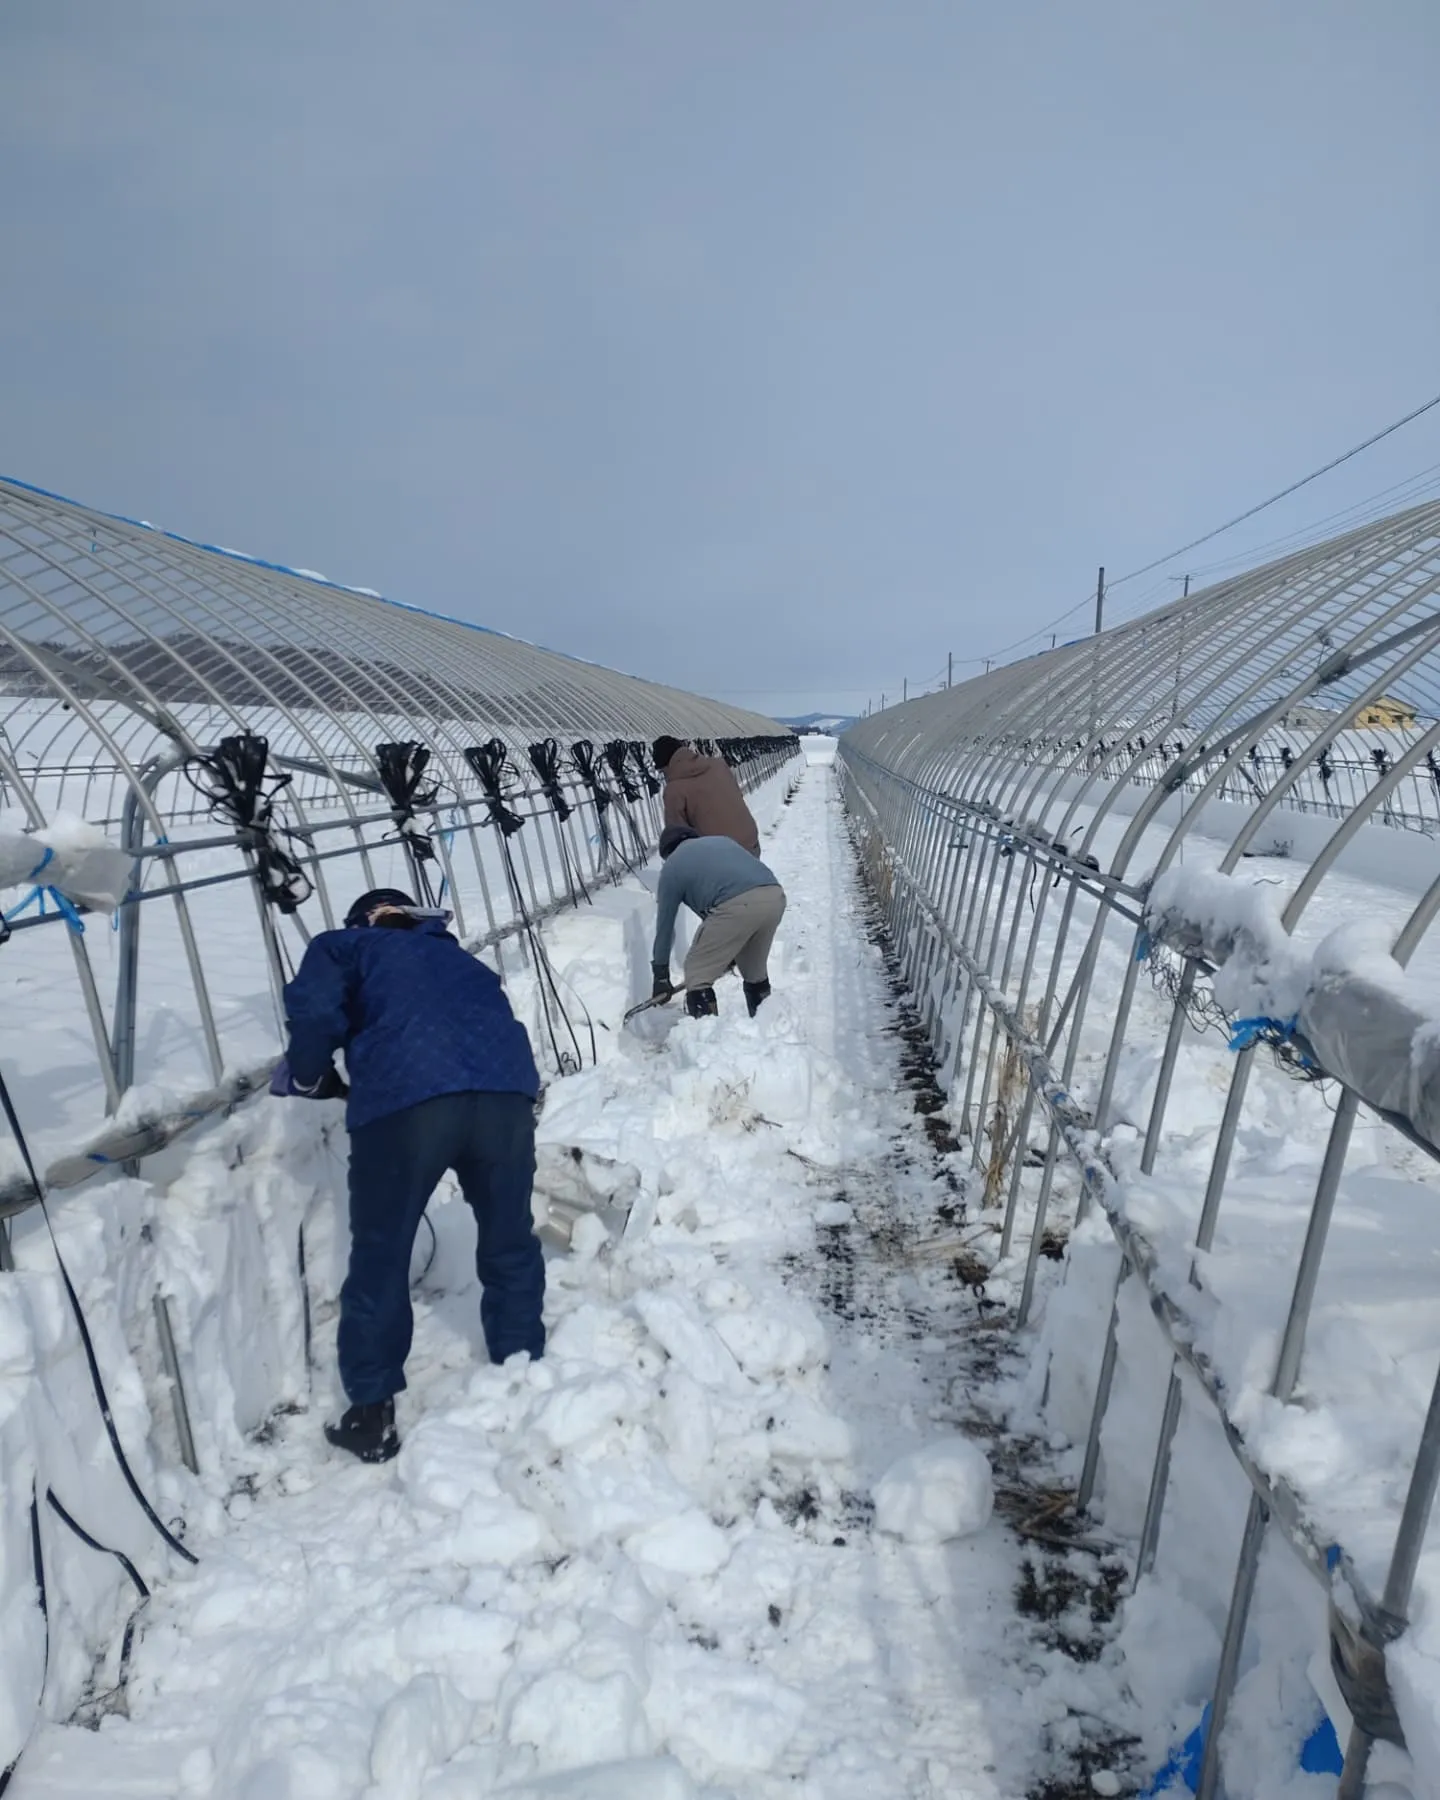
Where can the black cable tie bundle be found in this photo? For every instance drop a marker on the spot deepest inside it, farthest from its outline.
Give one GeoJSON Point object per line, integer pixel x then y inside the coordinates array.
{"type": "Point", "coordinates": [402, 768]}
{"type": "Point", "coordinates": [582, 752]}
{"type": "Point", "coordinates": [545, 759]}
{"type": "Point", "coordinates": [647, 772]}
{"type": "Point", "coordinates": [617, 752]}
{"type": "Point", "coordinates": [489, 762]}
{"type": "Point", "coordinates": [240, 793]}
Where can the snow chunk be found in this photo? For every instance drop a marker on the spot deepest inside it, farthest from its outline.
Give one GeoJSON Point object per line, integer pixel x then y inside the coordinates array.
{"type": "Point", "coordinates": [688, 1544]}
{"type": "Point", "coordinates": [725, 1716]}
{"type": "Point", "coordinates": [573, 1721]}
{"type": "Point", "coordinates": [787, 1337]}
{"type": "Point", "coordinates": [941, 1491]}
{"type": "Point", "coordinates": [422, 1726]}
{"type": "Point", "coordinates": [584, 1410]}
{"type": "Point", "coordinates": [807, 1431]}
{"type": "Point", "coordinates": [467, 1646]}
{"type": "Point", "coordinates": [688, 1340]}
{"type": "Point", "coordinates": [494, 1529]}
{"type": "Point", "coordinates": [645, 1778]}
{"type": "Point", "coordinates": [446, 1459]}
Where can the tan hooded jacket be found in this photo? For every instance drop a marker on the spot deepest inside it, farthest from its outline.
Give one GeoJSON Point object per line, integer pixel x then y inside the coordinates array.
{"type": "Point", "coordinates": [701, 792]}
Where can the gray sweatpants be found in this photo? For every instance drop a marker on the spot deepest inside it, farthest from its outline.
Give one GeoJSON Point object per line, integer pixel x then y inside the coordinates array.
{"type": "Point", "coordinates": [738, 931]}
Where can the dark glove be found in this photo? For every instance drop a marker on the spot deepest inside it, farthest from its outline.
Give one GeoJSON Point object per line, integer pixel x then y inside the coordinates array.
{"type": "Point", "coordinates": [330, 1086]}
{"type": "Point", "coordinates": [663, 989]}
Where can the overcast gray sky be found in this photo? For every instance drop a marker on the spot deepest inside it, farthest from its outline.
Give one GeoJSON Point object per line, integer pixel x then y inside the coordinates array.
{"type": "Point", "coordinates": [774, 348]}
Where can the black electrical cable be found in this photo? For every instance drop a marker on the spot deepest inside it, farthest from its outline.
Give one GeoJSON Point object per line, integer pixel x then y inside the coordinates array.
{"type": "Point", "coordinates": [490, 763]}
{"type": "Point", "coordinates": [617, 752]}
{"type": "Point", "coordinates": [582, 754]}
{"type": "Point", "coordinates": [127, 1642]}
{"type": "Point", "coordinates": [306, 1325]}
{"type": "Point", "coordinates": [43, 1597]}
{"type": "Point", "coordinates": [402, 769]}
{"type": "Point", "coordinates": [434, 1247]}
{"type": "Point", "coordinates": [240, 790]}
{"type": "Point", "coordinates": [92, 1362]}
{"type": "Point", "coordinates": [488, 760]}
{"type": "Point", "coordinates": [545, 757]}
{"type": "Point", "coordinates": [647, 773]}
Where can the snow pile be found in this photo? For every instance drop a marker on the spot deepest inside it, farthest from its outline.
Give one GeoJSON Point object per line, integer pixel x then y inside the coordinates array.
{"type": "Point", "coordinates": [943, 1491]}
{"type": "Point", "coordinates": [1235, 926]}
{"type": "Point", "coordinates": [221, 1246]}
{"type": "Point", "coordinates": [1366, 1021]}
{"type": "Point", "coordinates": [641, 1568]}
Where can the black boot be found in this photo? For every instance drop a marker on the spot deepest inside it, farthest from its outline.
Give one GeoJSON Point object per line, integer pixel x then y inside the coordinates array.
{"type": "Point", "coordinates": [701, 1003]}
{"type": "Point", "coordinates": [755, 992]}
{"type": "Point", "coordinates": [367, 1432]}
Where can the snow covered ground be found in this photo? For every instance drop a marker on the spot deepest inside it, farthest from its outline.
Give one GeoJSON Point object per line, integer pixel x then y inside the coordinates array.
{"type": "Point", "coordinates": [650, 1567]}
{"type": "Point", "coordinates": [703, 1549]}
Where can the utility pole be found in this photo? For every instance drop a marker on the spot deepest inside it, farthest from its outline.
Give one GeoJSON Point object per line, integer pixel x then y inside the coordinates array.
{"type": "Point", "coordinates": [949, 667]}
{"type": "Point", "coordinates": [882, 702]}
{"type": "Point", "coordinates": [1186, 579]}
{"type": "Point", "coordinates": [1095, 672]}
{"type": "Point", "coordinates": [1053, 636]}
{"type": "Point", "coordinates": [904, 689]}
{"type": "Point", "coordinates": [988, 661]}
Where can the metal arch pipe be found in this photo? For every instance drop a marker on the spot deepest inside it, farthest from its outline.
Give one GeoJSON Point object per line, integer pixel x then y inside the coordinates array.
{"type": "Point", "coordinates": [1234, 678]}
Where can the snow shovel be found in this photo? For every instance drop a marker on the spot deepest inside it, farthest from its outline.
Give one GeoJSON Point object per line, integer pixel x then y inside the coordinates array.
{"type": "Point", "coordinates": [674, 994]}
{"type": "Point", "coordinates": [645, 1005]}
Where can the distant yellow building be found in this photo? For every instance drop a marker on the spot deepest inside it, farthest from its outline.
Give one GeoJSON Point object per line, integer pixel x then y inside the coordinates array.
{"type": "Point", "coordinates": [1386, 714]}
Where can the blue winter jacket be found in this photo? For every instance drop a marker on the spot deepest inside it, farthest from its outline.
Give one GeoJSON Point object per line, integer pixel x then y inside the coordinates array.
{"type": "Point", "coordinates": [415, 1015]}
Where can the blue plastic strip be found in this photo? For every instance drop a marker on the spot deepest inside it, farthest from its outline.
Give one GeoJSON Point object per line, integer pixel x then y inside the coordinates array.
{"type": "Point", "coordinates": [1246, 1032]}
{"type": "Point", "coordinates": [36, 898]}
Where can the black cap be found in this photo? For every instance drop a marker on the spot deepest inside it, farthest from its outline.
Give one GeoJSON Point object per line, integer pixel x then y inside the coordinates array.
{"type": "Point", "coordinates": [663, 749]}
{"type": "Point", "coordinates": [673, 836]}
{"type": "Point", "coordinates": [359, 913]}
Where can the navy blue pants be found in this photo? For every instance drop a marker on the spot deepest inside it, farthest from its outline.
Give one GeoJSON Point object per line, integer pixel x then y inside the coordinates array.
{"type": "Point", "coordinates": [488, 1140]}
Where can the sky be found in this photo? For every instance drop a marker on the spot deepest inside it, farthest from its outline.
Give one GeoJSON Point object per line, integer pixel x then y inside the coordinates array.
{"type": "Point", "coordinates": [778, 349]}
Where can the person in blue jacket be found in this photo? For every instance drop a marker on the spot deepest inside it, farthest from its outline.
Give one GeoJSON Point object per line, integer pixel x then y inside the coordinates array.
{"type": "Point", "coordinates": [441, 1076]}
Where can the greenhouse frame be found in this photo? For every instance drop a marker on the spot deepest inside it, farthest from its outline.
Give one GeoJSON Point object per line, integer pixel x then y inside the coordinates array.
{"type": "Point", "coordinates": [1078, 836]}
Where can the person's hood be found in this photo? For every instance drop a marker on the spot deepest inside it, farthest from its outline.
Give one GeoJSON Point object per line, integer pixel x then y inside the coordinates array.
{"type": "Point", "coordinates": [686, 762]}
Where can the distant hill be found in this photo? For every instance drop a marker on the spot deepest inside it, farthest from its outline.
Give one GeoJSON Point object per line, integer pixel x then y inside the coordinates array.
{"type": "Point", "coordinates": [832, 724]}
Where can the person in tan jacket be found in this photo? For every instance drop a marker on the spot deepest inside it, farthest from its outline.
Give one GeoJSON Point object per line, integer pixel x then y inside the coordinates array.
{"type": "Point", "coordinates": [701, 792]}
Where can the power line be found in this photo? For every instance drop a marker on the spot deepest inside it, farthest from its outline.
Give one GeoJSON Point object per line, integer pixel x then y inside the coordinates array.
{"type": "Point", "coordinates": [1284, 493]}
{"type": "Point", "coordinates": [1229, 525]}
{"type": "Point", "coordinates": [1399, 494]}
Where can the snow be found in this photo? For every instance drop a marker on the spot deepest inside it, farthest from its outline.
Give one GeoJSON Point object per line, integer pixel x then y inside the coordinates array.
{"type": "Point", "coordinates": [642, 1567]}
{"type": "Point", "coordinates": [726, 1542]}
{"type": "Point", "coordinates": [941, 1491]}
